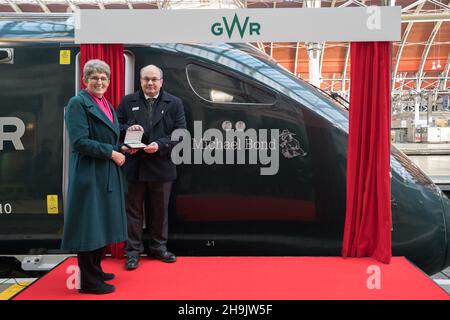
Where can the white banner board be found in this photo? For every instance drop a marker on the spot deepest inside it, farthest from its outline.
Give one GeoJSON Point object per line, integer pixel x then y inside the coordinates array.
{"type": "Point", "coordinates": [243, 25]}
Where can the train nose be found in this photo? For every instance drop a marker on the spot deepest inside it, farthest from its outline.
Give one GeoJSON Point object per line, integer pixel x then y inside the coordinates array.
{"type": "Point", "coordinates": [446, 204]}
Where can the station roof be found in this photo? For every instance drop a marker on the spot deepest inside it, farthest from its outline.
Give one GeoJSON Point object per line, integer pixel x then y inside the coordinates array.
{"type": "Point", "coordinates": [420, 61]}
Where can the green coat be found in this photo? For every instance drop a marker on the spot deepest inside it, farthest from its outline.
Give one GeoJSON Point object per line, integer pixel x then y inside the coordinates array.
{"type": "Point", "coordinates": [95, 214]}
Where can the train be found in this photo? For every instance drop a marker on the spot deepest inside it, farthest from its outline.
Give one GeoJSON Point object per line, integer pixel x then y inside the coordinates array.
{"type": "Point", "coordinates": [285, 203]}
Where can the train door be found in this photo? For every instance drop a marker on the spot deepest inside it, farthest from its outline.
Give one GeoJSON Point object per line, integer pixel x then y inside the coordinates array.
{"type": "Point", "coordinates": [35, 84]}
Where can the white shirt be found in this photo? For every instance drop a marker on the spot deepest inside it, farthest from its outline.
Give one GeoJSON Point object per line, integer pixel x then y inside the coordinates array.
{"type": "Point", "coordinates": [147, 97]}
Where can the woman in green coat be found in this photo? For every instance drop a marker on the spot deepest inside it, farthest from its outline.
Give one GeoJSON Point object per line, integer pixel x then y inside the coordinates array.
{"type": "Point", "coordinates": [95, 213]}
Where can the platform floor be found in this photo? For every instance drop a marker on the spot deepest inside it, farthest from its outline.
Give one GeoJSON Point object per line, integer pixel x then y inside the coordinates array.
{"type": "Point", "coordinates": [11, 288]}
{"type": "Point", "coordinates": [443, 279]}
{"type": "Point", "coordinates": [431, 158]}
{"type": "Point", "coordinates": [424, 148]}
{"type": "Point", "coordinates": [437, 167]}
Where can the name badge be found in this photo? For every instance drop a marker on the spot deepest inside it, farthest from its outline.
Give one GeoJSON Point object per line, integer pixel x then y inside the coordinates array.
{"type": "Point", "coordinates": [135, 108]}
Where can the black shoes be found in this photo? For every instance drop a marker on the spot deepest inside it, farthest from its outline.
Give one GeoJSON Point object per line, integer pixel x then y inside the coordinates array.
{"type": "Point", "coordinates": [107, 276]}
{"type": "Point", "coordinates": [102, 288]}
{"type": "Point", "coordinates": [132, 263]}
{"type": "Point", "coordinates": [164, 256]}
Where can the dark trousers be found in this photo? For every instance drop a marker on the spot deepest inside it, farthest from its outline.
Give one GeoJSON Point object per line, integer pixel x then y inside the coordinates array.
{"type": "Point", "coordinates": [90, 268]}
{"type": "Point", "coordinates": [159, 193]}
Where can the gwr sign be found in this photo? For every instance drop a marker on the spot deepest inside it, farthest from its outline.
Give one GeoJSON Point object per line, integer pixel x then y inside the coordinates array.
{"type": "Point", "coordinates": [241, 25]}
{"type": "Point", "coordinates": [217, 28]}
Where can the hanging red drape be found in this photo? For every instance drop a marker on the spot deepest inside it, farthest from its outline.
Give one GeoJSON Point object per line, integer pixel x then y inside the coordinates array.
{"type": "Point", "coordinates": [367, 231]}
{"type": "Point", "coordinates": [112, 54]}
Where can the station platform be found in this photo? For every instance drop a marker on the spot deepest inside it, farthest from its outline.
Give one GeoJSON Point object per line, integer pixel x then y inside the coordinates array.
{"type": "Point", "coordinates": [248, 278]}
{"type": "Point", "coordinates": [424, 148]}
{"type": "Point", "coordinates": [431, 158]}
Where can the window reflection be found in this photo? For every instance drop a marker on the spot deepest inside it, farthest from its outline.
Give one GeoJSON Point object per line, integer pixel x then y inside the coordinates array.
{"type": "Point", "coordinates": [218, 87]}
{"type": "Point", "coordinates": [407, 170]}
{"type": "Point", "coordinates": [249, 61]}
{"type": "Point", "coordinates": [220, 96]}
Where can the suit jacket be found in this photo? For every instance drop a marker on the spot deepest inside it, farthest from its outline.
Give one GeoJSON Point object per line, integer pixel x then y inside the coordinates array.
{"type": "Point", "coordinates": [95, 213]}
{"type": "Point", "coordinates": [168, 115]}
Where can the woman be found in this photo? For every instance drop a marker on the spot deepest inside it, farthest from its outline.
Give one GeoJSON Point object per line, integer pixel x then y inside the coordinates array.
{"type": "Point", "coordinates": [95, 213]}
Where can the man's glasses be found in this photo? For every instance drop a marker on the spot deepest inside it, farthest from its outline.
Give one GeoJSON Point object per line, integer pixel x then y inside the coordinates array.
{"type": "Point", "coordinates": [150, 79]}
{"type": "Point", "coordinates": [104, 79]}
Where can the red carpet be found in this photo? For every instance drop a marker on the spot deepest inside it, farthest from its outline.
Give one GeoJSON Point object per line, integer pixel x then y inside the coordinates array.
{"type": "Point", "coordinates": [248, 278]}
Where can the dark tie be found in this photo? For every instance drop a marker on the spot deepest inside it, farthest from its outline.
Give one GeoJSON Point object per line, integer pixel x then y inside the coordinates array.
{"type": "Point", "coordinates": [150, 102]}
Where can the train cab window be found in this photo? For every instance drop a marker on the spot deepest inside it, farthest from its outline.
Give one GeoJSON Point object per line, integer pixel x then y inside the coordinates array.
{"type": "Point", "coordinates": [216, 87]}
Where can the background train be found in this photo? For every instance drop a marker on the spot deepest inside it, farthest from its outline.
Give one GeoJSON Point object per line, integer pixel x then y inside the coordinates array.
{"type": "Point", "coordinates": [216, 209]}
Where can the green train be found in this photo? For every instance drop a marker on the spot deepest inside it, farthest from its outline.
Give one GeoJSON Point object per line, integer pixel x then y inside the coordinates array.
{"type": "Point", "coordinates": [290, 202]}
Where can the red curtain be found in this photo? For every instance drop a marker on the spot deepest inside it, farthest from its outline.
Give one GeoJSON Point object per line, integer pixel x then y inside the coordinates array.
{"type": "Point", "coordinates": [112, 54]}
{"type": "Point", "coordinates": [367, 230]}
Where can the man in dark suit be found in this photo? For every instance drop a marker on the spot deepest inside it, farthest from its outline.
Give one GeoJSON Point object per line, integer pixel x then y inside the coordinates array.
{"type": "Point", "coordinates": [150, 170]}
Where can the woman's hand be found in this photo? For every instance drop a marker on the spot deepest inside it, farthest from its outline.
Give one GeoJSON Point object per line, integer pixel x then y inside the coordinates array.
{"type": "Point", "coordinates": [118, 158]}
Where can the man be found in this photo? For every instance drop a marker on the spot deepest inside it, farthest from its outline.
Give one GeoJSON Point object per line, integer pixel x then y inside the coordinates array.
{"type": "Point", "coordinates": [150, 170]}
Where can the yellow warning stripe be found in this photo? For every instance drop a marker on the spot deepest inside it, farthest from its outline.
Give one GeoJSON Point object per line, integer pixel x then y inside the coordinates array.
{"type": "Point", "coordinates": [13, 290]}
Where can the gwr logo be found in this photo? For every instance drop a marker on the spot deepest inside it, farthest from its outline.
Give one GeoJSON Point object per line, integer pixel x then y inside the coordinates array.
{"type": "Point", "coordinates": [13, 136]}
{"type": "Point", "coordinates": [217, 28]}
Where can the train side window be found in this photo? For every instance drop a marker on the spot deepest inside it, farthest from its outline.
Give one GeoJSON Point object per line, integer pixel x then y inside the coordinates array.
{"type": "Point", "coordinates": [217, 87]}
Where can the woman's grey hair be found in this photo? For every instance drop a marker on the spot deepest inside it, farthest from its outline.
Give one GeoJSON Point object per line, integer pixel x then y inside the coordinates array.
{"type": "Point", "coordinates": [95, 65]}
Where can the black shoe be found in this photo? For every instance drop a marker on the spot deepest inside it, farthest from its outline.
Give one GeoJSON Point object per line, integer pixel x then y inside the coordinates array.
{"type": "Point", "coordinates": [102, 288]}
{"type": "Point", "coordinates": [107, 276]}
{"type": "Point", "coordinates": [164, 256]}
{"type": "Point", "coordinates": [132, 263]}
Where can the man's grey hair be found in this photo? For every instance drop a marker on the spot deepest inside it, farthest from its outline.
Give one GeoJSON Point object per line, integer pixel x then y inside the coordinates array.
{"type": "Point", "coordinates": [151, 65]}
{"type": "Point", "coordinates": [95, 65]}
